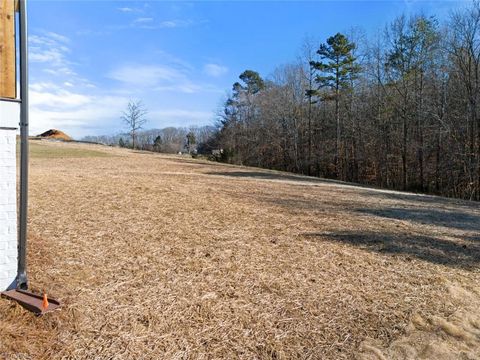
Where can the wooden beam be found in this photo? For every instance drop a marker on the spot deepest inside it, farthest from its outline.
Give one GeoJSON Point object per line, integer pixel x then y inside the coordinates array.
{"type": "Point", "coordinates": [8, 88]}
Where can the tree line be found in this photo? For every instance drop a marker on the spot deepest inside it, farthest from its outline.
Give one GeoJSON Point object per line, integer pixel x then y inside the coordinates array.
{"type": "Point", "coordinates": [174, 140]}
{"type": "Point", "coordinates": [399, 111]}
{"type": "Point", "coordinates": [167, 140]}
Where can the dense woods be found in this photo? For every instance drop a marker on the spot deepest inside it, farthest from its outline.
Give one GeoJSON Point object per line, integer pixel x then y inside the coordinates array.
{"type": "Point", "coordinates": [399, 111]}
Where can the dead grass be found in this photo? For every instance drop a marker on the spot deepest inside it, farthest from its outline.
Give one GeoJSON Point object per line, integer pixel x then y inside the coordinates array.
{"type": "Point", "coordinates": [42, 149]}
{"type": "Point", "coordinates": [165, 257]}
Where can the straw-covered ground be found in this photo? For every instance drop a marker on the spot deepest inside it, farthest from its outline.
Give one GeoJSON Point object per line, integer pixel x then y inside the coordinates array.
{"type": "Point", "coordinates": [164, 257]}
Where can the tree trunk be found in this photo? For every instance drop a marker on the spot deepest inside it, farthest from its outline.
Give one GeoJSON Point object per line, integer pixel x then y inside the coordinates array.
{"type": "Point", "coordinates": [404, 153]}
{"type": "Point", "coordinates": [309, 156]}
{"type": "Point", "coordinates": [473, 119]}
{"type": "Point", "coordinates": [437, 162]}
{"type": "Point", "coordinates": [338, 134]}
{"type": "Point", "coordinates": [420, 135]}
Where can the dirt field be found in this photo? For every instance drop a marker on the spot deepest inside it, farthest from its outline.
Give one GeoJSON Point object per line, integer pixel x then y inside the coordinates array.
{"type": "Point", "coordinates": [163, 257]}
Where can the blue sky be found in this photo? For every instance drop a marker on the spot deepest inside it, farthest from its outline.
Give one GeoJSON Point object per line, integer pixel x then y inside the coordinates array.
{"type": "Point", "coordinates": [88, 58]}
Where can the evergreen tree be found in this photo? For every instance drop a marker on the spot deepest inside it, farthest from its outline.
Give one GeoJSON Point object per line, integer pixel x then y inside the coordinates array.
{"type": "Point", "coordinates": [254, 83]}
{"type": "Point", "coordinates": [157, 144]}
{"type": "Point", "coordinates": [191, 141]}
{"type": "Point", "coordinates": [239, 110]}
{"type": "Point", "coordinates": [336, 70]}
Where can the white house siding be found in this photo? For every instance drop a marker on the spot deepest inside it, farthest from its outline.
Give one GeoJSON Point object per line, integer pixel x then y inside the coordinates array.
{"type": "Point", "coordinates": [9, 118]}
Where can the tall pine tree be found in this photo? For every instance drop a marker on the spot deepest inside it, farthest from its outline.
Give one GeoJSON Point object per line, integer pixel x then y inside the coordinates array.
{"type": "Point", "coordinates": [335, 71]}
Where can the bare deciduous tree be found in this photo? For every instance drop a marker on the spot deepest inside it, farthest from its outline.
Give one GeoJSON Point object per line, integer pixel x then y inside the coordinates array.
{"type": "Point", "coordinates": [134, 118]}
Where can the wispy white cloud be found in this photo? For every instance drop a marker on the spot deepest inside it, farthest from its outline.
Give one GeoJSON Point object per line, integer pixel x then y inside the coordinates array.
{"type": "Point", "coordinates": [159, 78]}
{"type": "Point", "coordinates": [51, 95]}
{"type": "Point", "coordinates": [51, 49]}
{"type": "Point", "coordinates": [172, 60]}
{"type": "Point", "coordinates": [149, 23]}
{"type": "Point", "coordinates": [146, 75]}
{"type": "Point", "coordinates": [176, 23]}
{"type": "Point", "coordinates": [143, 20]}
{"type": "Point", "coordinates": [48, 38]}
{"type": "Point", "coordinates": [57, 37]}
{"type": "Point", "coordinates": [215, 70]}
{"type": "Point", "coordinates": [53, 55]}
{"type": "Point", "coordinates": [127, 9]}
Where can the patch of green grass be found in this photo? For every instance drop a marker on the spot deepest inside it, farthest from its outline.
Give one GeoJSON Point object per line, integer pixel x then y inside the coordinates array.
{"type": "Point", "coordinates": [45, 151]}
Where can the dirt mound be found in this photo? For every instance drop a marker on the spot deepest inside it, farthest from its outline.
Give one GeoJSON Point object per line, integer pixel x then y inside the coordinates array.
{"type": "Point", "coordinates": [55, 134]}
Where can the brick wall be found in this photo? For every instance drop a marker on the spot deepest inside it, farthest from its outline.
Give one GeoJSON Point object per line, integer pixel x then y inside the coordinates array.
{"type": "Point", "coordinates": [9, 119]}
{"type": "Point", "coordinates": [8, 208]}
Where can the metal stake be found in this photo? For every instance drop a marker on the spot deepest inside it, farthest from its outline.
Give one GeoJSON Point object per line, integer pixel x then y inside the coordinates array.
{"type": "Point", "coordinates": [22, 282]}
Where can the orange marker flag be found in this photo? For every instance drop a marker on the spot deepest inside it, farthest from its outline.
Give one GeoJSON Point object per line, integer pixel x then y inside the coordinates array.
{"type": "Point", "coordinates": [45, 302]}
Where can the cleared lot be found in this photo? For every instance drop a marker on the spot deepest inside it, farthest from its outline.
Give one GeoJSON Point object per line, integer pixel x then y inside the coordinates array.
{"type": "Point", "coordinates": [166, 257]}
